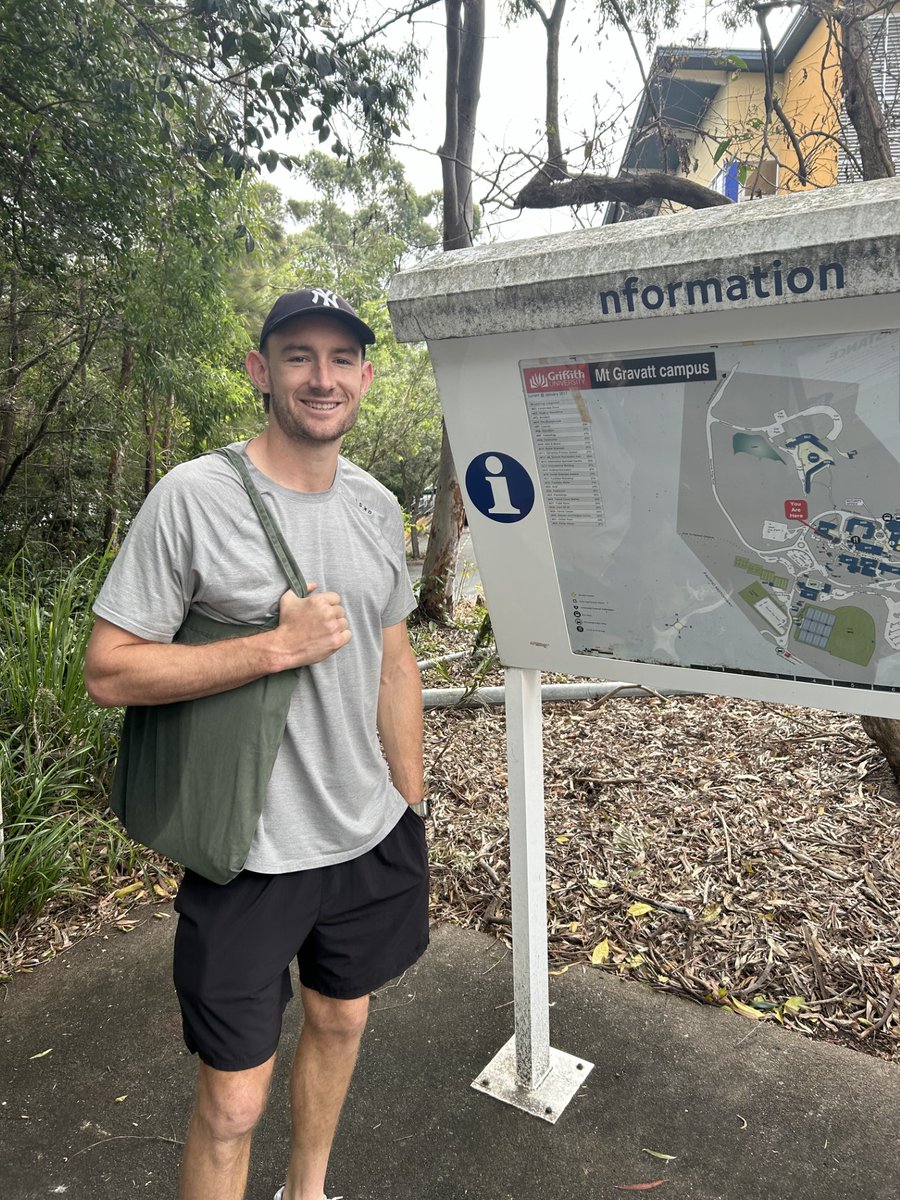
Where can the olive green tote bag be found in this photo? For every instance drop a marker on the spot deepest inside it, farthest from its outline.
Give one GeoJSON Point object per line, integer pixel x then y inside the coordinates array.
{"type": "Point", "coordinates": [191, 776]}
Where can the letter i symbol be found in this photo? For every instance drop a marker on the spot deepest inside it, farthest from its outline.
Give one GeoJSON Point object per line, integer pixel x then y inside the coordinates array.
{"type": "Point", "coordinates": [499, 486]}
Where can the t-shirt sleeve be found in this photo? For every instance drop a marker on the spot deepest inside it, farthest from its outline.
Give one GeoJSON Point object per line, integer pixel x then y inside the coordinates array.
{"type": "Point", "coordinates": [149, 587]}
{"type": "Point", "coordinates": [402, 600]}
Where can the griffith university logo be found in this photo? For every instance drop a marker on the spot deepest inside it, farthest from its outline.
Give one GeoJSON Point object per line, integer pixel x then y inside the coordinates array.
{"type": "Point", "coordinates": [326, 298]}
{"type": "Point", "coordinates": [563, 377]}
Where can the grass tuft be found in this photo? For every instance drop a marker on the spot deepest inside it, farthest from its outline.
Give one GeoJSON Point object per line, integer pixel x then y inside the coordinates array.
{"type": "Point", "coordinates": [57, 749]}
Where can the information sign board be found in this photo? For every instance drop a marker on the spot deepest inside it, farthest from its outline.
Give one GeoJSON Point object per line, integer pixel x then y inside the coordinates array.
{"type": "Point", "coordinates": [679, 445]}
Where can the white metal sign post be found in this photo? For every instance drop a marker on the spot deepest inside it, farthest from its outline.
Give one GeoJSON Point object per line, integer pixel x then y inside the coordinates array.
{"type": "Point", "coordinates": [679, 447]}
{"type": "Point", "coordinates": [527, 1072]}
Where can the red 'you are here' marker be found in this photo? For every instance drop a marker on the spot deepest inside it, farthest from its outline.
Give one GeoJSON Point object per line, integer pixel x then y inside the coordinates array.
{"type": "Point", "coordinates": [796, 510]}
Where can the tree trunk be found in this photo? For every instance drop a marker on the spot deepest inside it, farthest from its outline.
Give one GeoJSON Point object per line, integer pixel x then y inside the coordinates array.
{"type": "Point", "coordinates": [465, 51]}
{"type": "Point", "coordinates": [885, 733]}
{"type": "Point", "coordinates": [439, 568]}
{"type": "Point", "coordinates": [114, 467]}
{"type": "Point", "coordinates": [7, 429]}
{"type": "Point", "coordinates": [151, 430]}
{"type": "Point", "coordinates": [865, 110]}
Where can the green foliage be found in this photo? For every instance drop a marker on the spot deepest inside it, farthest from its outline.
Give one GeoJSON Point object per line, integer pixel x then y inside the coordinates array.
{"type": "Point", "coordinates": [56, 747]}
{"type": "Point", "coordinates": [102, 104]}
{"type": "Point", "coordinates": [366, 220]}
{"type": "Point", "coordinates": [646, 16]}
{"type": "Point", "coordinates": [130, 140]}
{"type": "Point", "coordinates": [398, 435]}
{"type": "Point", "coordinates": [116, 372]}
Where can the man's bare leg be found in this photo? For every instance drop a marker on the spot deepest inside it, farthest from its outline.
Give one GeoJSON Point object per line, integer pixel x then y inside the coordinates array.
{"type": "Point", "coordinates": [217, 1149]}
{"type": "Point", "coordinates": [324, 1062]}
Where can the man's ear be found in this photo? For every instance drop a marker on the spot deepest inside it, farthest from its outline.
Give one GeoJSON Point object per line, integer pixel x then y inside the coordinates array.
{"type": "Point", "coordinates": [368, 374]}
{"type": "Point", "coordinates": [258, 370]}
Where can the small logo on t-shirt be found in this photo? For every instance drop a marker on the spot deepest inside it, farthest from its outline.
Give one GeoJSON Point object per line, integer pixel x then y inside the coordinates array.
{"type": "Point", "coordinates": [365, 508]}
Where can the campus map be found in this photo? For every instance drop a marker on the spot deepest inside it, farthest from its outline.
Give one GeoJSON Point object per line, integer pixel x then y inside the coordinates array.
{"type": "Point", "coordinates": [731, 507]}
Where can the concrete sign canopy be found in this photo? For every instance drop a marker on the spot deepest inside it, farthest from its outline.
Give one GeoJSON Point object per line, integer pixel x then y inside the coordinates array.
{"type": "Point", "coordinates": [776, 250]}
{"type": "Point", "coordinates": [708, 505]}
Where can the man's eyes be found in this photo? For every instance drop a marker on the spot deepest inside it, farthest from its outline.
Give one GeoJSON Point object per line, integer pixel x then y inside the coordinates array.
{"type": "Point", "coordinates": [305, 358]}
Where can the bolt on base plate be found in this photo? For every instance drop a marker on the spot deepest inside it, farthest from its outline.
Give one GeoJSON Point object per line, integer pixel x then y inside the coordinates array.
{"type": "Point", "coordinates": [549, 1099]}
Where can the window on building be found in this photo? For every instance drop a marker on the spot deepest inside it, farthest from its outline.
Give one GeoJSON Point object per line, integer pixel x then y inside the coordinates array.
{"type": "Point", "coordinates": [759, 179]}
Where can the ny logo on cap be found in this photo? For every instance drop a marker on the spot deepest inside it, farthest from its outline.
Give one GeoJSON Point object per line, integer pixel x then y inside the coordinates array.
{"type": "Point", "coordinates": [324, 297]}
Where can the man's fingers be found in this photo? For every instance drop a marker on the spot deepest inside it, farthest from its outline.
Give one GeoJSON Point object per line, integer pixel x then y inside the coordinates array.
{"type": "Point", "coordinates": [312, 628]}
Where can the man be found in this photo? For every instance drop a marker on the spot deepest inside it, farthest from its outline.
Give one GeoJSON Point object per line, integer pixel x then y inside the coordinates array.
{"type": "Point", "coordinates": [337, 872]}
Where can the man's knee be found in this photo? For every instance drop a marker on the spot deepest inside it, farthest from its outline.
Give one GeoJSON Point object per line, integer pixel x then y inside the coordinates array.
{"type": "Point", "coordinates": [230, 1103]}
{"type": "Point", "coordinates": [328, 1017]}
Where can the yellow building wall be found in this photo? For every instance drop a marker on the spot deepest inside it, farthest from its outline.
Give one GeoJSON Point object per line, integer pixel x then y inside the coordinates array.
{"type": "Point", "coordinates": [809, 93]}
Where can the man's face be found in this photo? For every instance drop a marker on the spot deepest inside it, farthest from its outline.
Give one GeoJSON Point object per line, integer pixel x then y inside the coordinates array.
{"type": "Point", "coordinates": [315, 374]}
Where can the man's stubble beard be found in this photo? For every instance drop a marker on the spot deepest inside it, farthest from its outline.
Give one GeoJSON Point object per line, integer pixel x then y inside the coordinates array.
{"type": "Point", "coordinates": [294, 427]}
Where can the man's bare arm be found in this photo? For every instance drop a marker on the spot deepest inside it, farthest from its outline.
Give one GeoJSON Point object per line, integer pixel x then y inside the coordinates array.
{"type": "Point", "coordinates": [122, 668]}
{"type": "Point", "coordinates": [400, 713]}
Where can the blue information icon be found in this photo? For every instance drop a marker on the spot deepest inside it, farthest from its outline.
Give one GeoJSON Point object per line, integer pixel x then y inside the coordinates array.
{"type": "Point", "coordinates": [500, 487]}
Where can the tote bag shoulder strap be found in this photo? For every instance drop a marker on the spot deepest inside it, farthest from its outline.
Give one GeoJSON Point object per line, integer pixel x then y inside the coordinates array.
{"type": "Point", "coordinates": [273, 533]}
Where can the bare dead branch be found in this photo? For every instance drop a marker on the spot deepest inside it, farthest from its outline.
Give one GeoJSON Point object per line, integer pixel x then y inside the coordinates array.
{"type": "Point", "coordinates": [543, 192]}
{"type": "Point", "coordinates": [623, 22]}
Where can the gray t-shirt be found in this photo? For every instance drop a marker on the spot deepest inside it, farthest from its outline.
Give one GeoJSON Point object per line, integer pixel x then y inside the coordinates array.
{"type": "Point", "coordinates": [198, 543]}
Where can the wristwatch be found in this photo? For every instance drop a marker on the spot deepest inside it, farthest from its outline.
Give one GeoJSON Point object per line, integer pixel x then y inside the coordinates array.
{"type": "Point", "coordinates": [421, 808]}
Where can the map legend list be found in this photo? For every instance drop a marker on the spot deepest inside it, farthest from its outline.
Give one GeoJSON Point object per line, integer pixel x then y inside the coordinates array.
{"type": "Point", "coordinates": [567, 460]}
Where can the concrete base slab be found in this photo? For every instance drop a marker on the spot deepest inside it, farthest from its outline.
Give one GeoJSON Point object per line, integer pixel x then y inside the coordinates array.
{"type": "Point", "coordinates": [549, 1099]}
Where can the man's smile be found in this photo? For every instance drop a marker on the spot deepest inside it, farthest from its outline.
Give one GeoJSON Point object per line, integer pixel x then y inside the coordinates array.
{"type": "Point", "coordinates": [321, 405]}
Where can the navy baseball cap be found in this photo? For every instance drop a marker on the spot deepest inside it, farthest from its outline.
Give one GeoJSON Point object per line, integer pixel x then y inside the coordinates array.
{"type": "Point", "coordinates": [314, 302]}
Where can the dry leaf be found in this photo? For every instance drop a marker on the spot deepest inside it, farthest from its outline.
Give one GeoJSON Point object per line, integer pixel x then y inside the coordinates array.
{"type": "Point", "coordinates": [746, 1010]}
{"type": "Point", "coordinates": [119, 1099]}
{"type": "Point", "coordinates": [127, 891]}
{"type": "Point", "coordinates": [659, 1154]}
{"type": "Point", "coordinates": [639, 1187]}
{"type": "Point", "coordinates": [43, 1054]}
{"type": "Point", "coordinates": [639, 909]}
{"type": "Point", "coordinates": [600, 953]}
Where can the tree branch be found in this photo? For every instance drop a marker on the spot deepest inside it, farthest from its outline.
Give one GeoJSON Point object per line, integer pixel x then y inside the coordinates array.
{"type": "Point", "coordinates": [543, 192]}
{"type": "Point", "coordinates": [398, 15]}
{"type": "Point", "coordinates": [620, 17]}
{"type": "Point", "coordinates": [84, 352]}
{"type": "Point", "coordinates": [773, 104]}
{"type": "Point", "coordinates": [555, 163]}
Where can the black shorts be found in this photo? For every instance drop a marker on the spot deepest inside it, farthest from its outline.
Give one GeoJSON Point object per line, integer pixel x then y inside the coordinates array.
{"type": "Point", "coordinates": [352, 927]}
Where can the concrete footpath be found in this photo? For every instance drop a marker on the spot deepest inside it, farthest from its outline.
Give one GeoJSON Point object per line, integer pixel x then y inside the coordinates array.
{"type": "Point", "coordinates": [95, 1089]}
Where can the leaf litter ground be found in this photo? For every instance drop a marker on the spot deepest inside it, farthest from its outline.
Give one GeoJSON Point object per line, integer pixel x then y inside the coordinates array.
{"type": "Point", "coordinates": [735, 853]}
